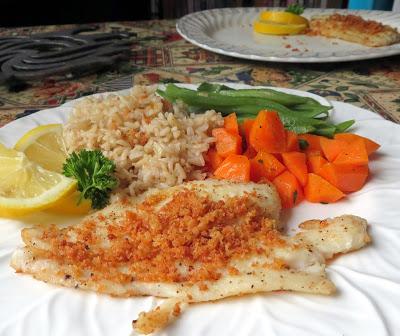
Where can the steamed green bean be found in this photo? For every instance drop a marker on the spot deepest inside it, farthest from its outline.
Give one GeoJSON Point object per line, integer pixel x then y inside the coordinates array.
{"type": "Point", "coordinates": [299, 114]}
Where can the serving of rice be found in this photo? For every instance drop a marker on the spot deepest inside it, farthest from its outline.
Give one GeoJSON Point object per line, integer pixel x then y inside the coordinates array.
{"type": "Point", "coordinates": [151, 143]}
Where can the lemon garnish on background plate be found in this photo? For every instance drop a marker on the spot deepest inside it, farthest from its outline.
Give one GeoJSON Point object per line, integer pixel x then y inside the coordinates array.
{"type": "Point", "coordinates": [45, 146]}
{"type": "Point", "coordinates": [26, 187]}
{"type": "Point", "coordinates": [272, 28]}
{"type": "Point", "coordinates": [282, 17]}
{"type": "Point", "coordinates": [280, 23]}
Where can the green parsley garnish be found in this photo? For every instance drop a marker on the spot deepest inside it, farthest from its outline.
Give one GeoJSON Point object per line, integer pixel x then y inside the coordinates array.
{"type": "Point", "coordinates": [95, 176]}
{"type": "Point", "coordinates": [295, 8]}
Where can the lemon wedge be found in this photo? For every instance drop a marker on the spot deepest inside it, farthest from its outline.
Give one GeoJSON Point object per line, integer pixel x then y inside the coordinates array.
{"type": "Point", "coordinates": [69, 205]}
{"type": "Point", "coordinates": [272, 28]}
{"type": "Point", "coordinates": [280, 23]}
{"type": "Point", "coordinates": [282, 17]}
{"type": "Point", "coordinates": [45, 146]}
{"type": "Point", "coordinates": [26, 187]}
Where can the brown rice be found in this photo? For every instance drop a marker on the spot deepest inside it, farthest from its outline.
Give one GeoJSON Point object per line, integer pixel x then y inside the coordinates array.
{"type": "Point", "coordinates": [151, 147]}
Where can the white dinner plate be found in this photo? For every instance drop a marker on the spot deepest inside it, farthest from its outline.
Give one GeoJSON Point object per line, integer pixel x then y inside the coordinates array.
{"type": "Point", "coordinates": [368, 281]}
{"type": "Point", "coordinates": [229, 31]}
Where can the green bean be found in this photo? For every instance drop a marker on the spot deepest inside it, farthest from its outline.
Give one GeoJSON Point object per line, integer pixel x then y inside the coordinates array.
{"type": "Point", "coordinates": [307, 106]}
{"type": "Point", "coordinates": [325, 131]}
{"type": "Point", "coordinates": [301, 129]}
{"type": "Point", "coordinates": [270, 94]}
{"type": "Point", "coordinates": [342, 127]}
{"type": "Point", "coordinates": [215, 101]}
{"type": "Point", "coordinates": [209, 87]}
{"type": "Point", "coordinates": [212, 100]}
{"type": "Point", "coordinates": [312, 113]}
{"type": "Point", "coordinates": [293, 121]}
{"type": "Point", "coordinates": [299, 114]}
{"type": "Point", "coordinates": [297, 103]}
{"type": "Point", "coordinates": [276, 96]}
{"type": "Point", "coordinates": [316, 109]}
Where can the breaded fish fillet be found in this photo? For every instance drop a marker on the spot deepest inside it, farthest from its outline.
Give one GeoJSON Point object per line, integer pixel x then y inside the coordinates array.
{"type": "Point", "coordinates": [200, 241]}
{"type": "Point", "coordinates": [299, 272]}
{"type": "Point", "coordinates": [353, 28]}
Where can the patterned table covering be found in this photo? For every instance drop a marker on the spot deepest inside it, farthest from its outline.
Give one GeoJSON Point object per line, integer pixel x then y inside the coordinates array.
{"type": "Point", "coordinates": [160, 55]}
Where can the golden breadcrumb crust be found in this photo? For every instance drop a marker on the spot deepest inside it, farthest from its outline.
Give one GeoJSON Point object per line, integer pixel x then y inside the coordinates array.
{"type": "Point", "coordinates": [353, 28]}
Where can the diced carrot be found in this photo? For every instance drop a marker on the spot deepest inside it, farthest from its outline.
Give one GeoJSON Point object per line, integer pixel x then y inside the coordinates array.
{"type": "Point", "coordinates": [250, 152]}
{"type": "Point", "coordinates": [313, 152]}
{"type": "Point", "coordinates": [289, 189]}
{"type": "Point", "coordinates": [345, 178]}
{"type": "Point", "coordinates": [354, 154]}
{"type": "Point", "coordinates": [370, 146]}
{"type": "Point", "coordinates": [231, 123]}
{"type": "Point", "coordinates": [226, 142]}
{"type": "Point", "coordinates": [278, 157]}
{"type": "Point", "coordinates": [268, 133]}
{"type": "Point", "coordinates": [265, 166]}
{"type": "Point", "coordinates": [295, 162]}
{"type": "Point", "coordinates": [257, 170]}
{"type": "Point", "coordinates": [331, 147]}
{"type": "Point", "coordinates": [319, 190]}
{"type": "Point", "coordinates": [292, 142]}
{"type": "Point", "coordinates": [312, 141]}
{"type": "Point", "coordinates": [246, 126]}
{"type": "Point", "coordinates": [213, 159]}
{"type": "Point", "coordinates": [315, 162]}
{"type": "Point", "coordinates": [235, 168]}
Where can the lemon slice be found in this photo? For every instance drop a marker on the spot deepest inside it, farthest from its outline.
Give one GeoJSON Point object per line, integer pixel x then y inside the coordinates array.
{"type": "Point", "coordinates": [26, 187]}
{"type": "Point", "coordinates": [282, 17]}
{"type": "Point", "coordinates": [45, 146]}
{"type": "Point", "coordinates": [273, 28]}
{"type": "Point", "coordinates": [69, 205]}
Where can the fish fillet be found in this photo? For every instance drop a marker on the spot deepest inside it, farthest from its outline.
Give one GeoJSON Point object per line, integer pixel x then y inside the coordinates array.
{"type": "Point", "coordinates": [355, 29]}
{"type": "Point", "coordinates": [200, 241]}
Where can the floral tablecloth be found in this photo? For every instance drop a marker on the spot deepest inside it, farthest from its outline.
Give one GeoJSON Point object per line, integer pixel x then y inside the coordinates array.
{"type": "Point", "coordinates": [160, 55]}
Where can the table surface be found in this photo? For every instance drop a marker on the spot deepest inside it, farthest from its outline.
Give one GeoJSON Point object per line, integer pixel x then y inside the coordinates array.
{"type": "Point", "coordinates": [160, 55]}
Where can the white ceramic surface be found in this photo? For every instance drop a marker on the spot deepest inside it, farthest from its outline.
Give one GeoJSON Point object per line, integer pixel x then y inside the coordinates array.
{"type": "Point", "coordinates": [368, 281]}
{"type": "Point", "coordinates": [229, 31]}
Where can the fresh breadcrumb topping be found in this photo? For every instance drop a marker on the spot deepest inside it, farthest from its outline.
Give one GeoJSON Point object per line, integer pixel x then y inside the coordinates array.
{"type": "Point", "coordinates": [190, 238]}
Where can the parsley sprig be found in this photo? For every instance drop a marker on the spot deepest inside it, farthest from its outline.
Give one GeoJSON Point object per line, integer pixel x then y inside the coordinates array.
{"type": "Point", "coordinates": [295, 8]}
{"type": "Point", "coordinates": [94, 174]}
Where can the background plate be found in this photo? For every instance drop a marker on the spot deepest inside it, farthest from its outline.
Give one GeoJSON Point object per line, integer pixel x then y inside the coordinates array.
{"type": "Point", "coordinates": [229, 31]}
{"type": "Point", "coordinates": [368, 281]}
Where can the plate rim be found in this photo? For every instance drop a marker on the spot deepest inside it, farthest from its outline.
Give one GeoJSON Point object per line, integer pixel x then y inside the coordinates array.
{"type": "Point", "coordinates": [181, 27]}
